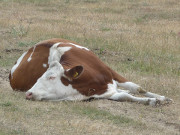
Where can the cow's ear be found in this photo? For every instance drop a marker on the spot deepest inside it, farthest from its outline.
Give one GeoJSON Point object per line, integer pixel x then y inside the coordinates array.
{"type": "Point", "coordinates": [74, 72]}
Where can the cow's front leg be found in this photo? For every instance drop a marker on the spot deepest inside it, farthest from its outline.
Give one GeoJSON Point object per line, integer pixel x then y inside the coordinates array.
{"type": "Point", "coordinates": [123, 96]}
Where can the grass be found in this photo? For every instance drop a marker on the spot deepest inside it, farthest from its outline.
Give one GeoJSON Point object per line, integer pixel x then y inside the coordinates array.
{"type": "Point", "coordinates": [138, 39]}
{"type": "Point", "coordinates": [96, 114]}
{"type": "Point", "coordinates": [2, 133]}
{"type": "Point", "coordinates": [26, 44]}
{"type": "Point", "coordinates": [7, 104]}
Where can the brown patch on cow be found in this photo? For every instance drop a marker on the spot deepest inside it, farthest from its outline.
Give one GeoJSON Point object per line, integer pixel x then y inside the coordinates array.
{"type": "Point", "coordinates": [27, 73]}
{"type": "Point", "coordinates": [65, 81]}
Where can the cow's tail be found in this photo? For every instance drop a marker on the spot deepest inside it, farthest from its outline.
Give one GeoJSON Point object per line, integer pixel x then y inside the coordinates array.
{"type": "Point", "coordinates": [124, 83]}
{"type": "Point", "coordinates": [118, 78]}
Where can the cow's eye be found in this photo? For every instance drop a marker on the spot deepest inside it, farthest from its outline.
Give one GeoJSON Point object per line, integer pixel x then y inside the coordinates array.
{"type": "Point", "coordinates": [51, 78]}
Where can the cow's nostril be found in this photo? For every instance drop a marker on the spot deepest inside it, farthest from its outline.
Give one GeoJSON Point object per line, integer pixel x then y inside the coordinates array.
{"type": "Point", "coordinates": [29, 95]}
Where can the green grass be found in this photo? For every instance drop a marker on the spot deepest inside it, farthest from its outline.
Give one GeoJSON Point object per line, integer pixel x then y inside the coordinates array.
{"type": "Point", "coordinates": [8, 61]}
{"type": "Point", "coordinates": [27, 44]}
{"type": "Point", "coordinates": [36, 2]}
{"type": "Point", "coordinates": [96, 114]}
{"type": "Point", "coordinates": [12, 132]}
{"type": "Point", "coordinates": [9, 106]}
{"type": "Point", "coordinates": [6, 104]}
{"type": "Point", "coordinates": [109, 10]}
{"type": "Point", "coordinates": [20, 31]}
{"type": "Point", "coordinates": [2, 132]}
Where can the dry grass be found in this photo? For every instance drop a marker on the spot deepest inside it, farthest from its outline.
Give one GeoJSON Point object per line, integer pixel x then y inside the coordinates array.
{"type": "Point", "coordinates": [139, 39]}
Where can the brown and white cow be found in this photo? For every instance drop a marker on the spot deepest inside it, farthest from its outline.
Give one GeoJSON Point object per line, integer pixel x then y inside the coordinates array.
{"type": "Point", "coordinates": [59, 69]}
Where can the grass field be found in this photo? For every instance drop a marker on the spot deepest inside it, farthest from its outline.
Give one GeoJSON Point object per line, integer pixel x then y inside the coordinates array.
{"type": "Point", "coordinates": [140, 39]}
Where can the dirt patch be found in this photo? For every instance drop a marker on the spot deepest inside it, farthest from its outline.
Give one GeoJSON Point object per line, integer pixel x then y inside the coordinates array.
{"type": "Point", "coordinates": [12, 50]}
{"type": "Point", "coordinates": [4, 73]}
{"type": "Point", "coordinates": [112, 55]}
{"type": "Point", "coordinates": [175, 125]}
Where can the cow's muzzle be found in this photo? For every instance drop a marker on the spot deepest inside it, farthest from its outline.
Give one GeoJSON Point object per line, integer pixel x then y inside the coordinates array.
{"type": "Point", "coordinates": [29, 95]}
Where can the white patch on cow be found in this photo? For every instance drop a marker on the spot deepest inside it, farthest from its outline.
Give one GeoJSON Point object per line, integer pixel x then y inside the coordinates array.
{"type": "Point", "coordinates": [56, 52]}
{"type": "Point", "coordinates": [45, 65]}
{"type": "Point", "coordinates": [17, 64]}
{"type": "Point", "coordinates": [50, 87]}
{"type": "Point", "coordinates": [78, 46]}
{"type": "Point", "coordinates": [129, 86]}
{"type": "Point", "coordinates": [112, 88]}
{"type": "Point", "coordinates": [30, 57]}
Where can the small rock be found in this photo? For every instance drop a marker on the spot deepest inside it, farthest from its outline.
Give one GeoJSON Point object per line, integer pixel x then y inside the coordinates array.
{"type": "Point", "coordinates": [129, 59]}
{"type": "Point", "coordinates": [7, 50]}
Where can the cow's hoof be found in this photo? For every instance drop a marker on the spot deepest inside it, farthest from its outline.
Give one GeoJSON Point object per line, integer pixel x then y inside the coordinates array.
{"type": "Point", "coordinates": [167, 101]}
{"type": "Point", "coordinates": [154, 102]}
{"type": "Point", "coordinates": [158, 102]}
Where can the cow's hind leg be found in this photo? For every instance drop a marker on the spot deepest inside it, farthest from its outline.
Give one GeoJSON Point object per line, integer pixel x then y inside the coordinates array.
{"type": "Point", "coordinates": [136, 89]}
{"type": "Point", "coordinates": [124, 96]}
{"type": "Point", "coordinates": [126, 91]}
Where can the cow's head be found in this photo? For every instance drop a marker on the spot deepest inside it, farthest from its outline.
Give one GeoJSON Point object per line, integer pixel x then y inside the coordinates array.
{"type": "Point", "coordinates": [49, 85]}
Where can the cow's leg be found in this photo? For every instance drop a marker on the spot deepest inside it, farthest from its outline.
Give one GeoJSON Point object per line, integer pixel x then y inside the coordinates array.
{"type": "Point", "coordinates": [126, 91]}
{"type": "Point", "coordinates": [136, 89]}
{"type": "Point", "coordinates": [123, 96]}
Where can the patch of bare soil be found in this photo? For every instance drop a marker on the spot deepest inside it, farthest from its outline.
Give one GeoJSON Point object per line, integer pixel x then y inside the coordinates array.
{"type": "Point", "coordinates": [112, 55]}
{"type": "Point", "coordinates": [4, 78]}
{"type": "Point", "coordinates": [4, 73]}
{"type": "Point", "coordinates": [12, 50]}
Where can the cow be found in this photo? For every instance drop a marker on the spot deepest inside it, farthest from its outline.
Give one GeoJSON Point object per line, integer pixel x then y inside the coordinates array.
{"type": "Point", "coordinates": [58, 69]}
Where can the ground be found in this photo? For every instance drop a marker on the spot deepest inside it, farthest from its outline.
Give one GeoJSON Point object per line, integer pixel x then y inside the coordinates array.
{"type": "Point", "coordinates": [138, 39]}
